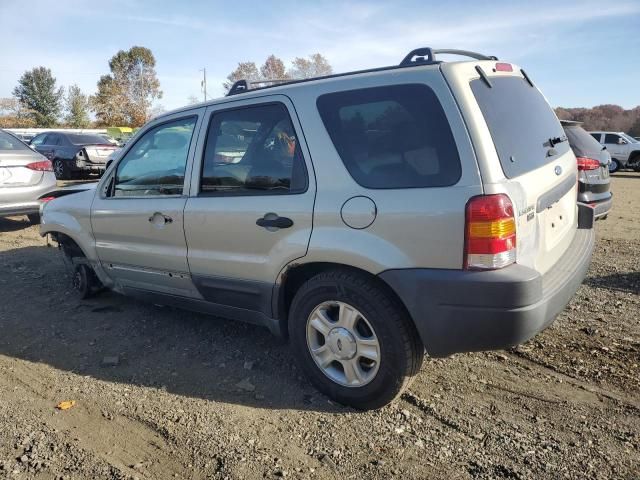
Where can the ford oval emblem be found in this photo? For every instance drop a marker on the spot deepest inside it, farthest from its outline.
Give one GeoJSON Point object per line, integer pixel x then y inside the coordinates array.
{"type": "Point", "coordinates": [558, 170]}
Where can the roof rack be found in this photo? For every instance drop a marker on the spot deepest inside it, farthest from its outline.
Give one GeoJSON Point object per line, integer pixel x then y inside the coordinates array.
{"type": "Point", "coordinates": [417, 57]}
{"type": "Point", "coordinates": [427, 56]}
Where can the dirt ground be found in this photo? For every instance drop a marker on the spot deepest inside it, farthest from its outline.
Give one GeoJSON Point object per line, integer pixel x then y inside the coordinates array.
{"type": "Point", "coordinates": [162, 393]}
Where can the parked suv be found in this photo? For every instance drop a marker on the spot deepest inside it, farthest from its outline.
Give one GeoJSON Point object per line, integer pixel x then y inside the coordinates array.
{"type": "Point", "coordinates": [366, 216]}
{"type": "Point", "coordinates": [623, 148]}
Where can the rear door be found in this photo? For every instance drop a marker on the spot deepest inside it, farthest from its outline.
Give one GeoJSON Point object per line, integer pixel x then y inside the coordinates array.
{"type": "Point", "coordinates": [617, 150]}
{"type": "Point", "coordinates": [137, 214]}
{"type": "Point", "coordinates": [523, 152]}
{"type": "Point", "coordinates": [251, 205]}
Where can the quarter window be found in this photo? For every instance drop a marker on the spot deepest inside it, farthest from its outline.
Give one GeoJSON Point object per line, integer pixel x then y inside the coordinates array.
{"type": "Point", "coordinates": [156, 164]}
{"type": "Point", "coordinates": [596, 136]}
{"type": "Point", "coordinates": [252, 149]}
{"type": "Point", "coordinates": [392, 137]}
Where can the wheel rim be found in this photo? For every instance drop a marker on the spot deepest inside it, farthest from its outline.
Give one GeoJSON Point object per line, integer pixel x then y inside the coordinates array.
{"type": "Point", "coordinates": [613, 166]}
{"type": "Point", "coordinates": [343, 344]}
{"type": "Point", "coordinates": [58, 169]}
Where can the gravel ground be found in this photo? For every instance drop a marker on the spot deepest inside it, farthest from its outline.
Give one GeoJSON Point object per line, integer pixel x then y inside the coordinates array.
{"type": "Point", "coordinates": [162, 393]}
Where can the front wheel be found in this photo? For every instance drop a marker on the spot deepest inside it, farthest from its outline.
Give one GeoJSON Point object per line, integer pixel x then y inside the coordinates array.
{"type": "Point", "coordinates": [353, 339]}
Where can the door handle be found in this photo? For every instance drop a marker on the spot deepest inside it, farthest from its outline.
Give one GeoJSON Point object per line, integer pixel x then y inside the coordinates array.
{"type": "Point", "coordinates": [159, 219]}
{"type": "Point", "coordinates": [272, 220]}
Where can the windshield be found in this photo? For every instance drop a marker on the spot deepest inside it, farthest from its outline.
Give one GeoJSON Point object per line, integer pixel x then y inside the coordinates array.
{"type": "Point", "coordinates": [629, 138]}
{"type": "Point", "coordinates": [86, 139]}
{"type": "Point", "coordinates": [581, 142]}
{"type": "Point", "coordinates": [524, 129]}
{"type": "Point", "coordinates": [10, 143]}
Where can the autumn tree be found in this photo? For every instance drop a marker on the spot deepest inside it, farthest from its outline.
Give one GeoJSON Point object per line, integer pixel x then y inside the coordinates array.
{"type": "Point", "coordinates": [13, 114]}
{"type": "Point", "coordinates": [274, 69]}
{"type": "Point", "coordinates": [315, 65]}
{"type": "Point", "coordinates": [77, 106]}
{"type": "Point", "coordinates": [126, 95]}
{"type": "Point", "coordinates": [37, 91]}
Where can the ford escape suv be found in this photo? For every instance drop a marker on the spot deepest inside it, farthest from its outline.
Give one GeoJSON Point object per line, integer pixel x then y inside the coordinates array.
{"type": "Point", "coordinates": [366, 216]}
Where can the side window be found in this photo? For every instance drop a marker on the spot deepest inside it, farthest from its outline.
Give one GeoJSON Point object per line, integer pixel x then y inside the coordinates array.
{"type": "Point", "coordinates": [253, 149]}
{"type": "Point", "coordinates": [156, 164]}
{"type": "Point", "coordinates": [596, 136]}
{"type": "Point", "coordinates": [53, 139]}
{"type": "Point", "coordinates": [611, 138]}
{"type": "Point", "coordinates": [392, 137]}
{"type": "Point", "coordinates": [39, 140]}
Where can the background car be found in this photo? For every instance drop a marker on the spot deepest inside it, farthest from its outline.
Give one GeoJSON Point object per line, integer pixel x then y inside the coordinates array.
{"type": "Point", "coordinates": [593, 168]}
{"type": "Point", "coordinates": [624, 149]}
{"type": "Point", "coordinates": [25, 175]}
{"type": "Point", "coordinates": [73, 154]}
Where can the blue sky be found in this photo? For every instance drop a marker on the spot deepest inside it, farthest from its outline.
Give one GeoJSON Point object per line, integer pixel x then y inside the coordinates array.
{"type": "Point", "coordinates": [580, 53]}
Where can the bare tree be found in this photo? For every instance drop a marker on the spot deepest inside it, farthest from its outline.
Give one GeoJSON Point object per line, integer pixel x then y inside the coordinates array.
{"type": "Point", "coordinates": [245, 71]}
{"type": "Point", "coordinates": [273, 69]}
{"type": "Point", "coordinates": [314, 66]}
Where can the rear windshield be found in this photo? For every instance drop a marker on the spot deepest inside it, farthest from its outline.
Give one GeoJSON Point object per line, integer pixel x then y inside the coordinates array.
{"type": "Point", "coordinates": [9, 142]}
{"type": "Point", "coordinates": [581, 142]}
{"type": "Point", "coordinates": [392, 137]}
{"type": "Point", "coordinates": [86, 139]}
{"type": "Point", "coordinates": [521, 123]}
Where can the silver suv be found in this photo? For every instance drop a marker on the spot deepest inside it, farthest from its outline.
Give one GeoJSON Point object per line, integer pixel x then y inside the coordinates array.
{"type": "Point", "coordinates": [366, 216]}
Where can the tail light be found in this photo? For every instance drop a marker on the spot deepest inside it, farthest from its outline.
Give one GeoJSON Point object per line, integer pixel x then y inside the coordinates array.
{"type": "Point", "coordinates": [490, 233]}
{"type": "Point", "coordinates": [585, 163]}
{"type": "Point", "coordinates": [43, 166]}
{"type": "Point", "coordinates": [503, 67]}
{"type": "Point", "coordinates": [46, 199]}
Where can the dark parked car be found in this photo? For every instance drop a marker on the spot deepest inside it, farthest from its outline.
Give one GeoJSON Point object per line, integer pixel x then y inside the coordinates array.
{"type": "Point", "coordinates": [73, 154]}
{"type": "Point", "coordinates": [593, 168]}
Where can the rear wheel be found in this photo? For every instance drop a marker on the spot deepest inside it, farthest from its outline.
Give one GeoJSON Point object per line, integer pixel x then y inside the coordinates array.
{"type": "Point", "coordinates": [614, 166]}
{"type": "Point", "coordinates": [353, 340]}
{"type": "Point", "coordinates": [61, 170]}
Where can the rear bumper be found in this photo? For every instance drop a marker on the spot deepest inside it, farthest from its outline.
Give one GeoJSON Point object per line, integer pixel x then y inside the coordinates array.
{"type": "Point", "coordinates": [24, 200]}
{"type": "Point", "coordinates": [464, 311]}
{"type": "Point", "coordinates": [601, 208]}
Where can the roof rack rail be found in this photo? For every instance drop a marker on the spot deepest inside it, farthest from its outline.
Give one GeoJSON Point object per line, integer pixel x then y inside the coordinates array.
{"type": "Point", "coordinates": [427, 56]}
{"type": "Point", "coordinates": [240, 86]}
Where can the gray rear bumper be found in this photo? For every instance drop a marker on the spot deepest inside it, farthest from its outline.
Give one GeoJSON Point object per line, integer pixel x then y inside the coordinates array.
{"type": "Point", "coordinates": [464, 311]}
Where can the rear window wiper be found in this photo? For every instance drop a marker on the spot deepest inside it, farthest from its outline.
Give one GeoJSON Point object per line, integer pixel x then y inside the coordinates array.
{"type": "Point", "coordinates": [553, 141]}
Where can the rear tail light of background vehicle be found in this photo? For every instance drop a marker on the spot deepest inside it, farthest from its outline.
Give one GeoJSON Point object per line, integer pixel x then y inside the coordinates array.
{"type": "Point", "coordinates": [585, 163]}
{"type": "Point", "coordinates": [490, 233]}
{"type": "Point", "coordinates": [43, 166]}
{"type": "Point", "coordinates": [46, 199]}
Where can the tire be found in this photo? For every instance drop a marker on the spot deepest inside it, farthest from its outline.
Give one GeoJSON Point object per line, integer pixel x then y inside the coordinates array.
{"type": "Point", "coordinates": [83, 281]}
{"type": "Point", "coordinates": [379, 319]}
{"type": "Point", "coordinates": [61, 170]}
{"type": "Point", "coordinates": [34, 218]}
{"type": "Point", "coordinates": [614, 166]}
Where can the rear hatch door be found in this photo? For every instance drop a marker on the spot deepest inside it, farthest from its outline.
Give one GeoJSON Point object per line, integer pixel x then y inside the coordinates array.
{"type": "Point", "coordinates": [522, 151]}
{"type": "Point", "coordinates": [99, 153]}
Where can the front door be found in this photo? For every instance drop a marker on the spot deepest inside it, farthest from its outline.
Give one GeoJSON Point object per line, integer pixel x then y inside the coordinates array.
{"type": "Point", "coordinates": [251, 204]}
{"type": "Point", "coordinates": [137, 214]}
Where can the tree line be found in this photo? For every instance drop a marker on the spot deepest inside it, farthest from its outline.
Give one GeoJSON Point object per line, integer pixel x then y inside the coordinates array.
{"type": "Point", "coordinates": [125, 96]}
{"type": "Point", "coordinates": [608, 117]}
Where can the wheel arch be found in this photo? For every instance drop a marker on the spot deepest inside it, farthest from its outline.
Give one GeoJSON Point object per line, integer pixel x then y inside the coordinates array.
{"type": "Point", "coordinates": [295, 275]}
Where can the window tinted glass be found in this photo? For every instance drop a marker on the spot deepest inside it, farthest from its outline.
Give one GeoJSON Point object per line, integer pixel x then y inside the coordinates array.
{"type": "Point", "coordinates": [155, 165]}
{"type": "Point", "coordinates": [611, 138]}
{"type": "Point", "coordinates": [253, 149]}
{"type": "Point", "coordinates": [392, 137]}
{"type": "Point", "coordinates": [85, 139]}
{"type": "Point", "coordinates": [521, 123]}
{"type": "Point", "coordinates": [596, 136]}
{"type": "Point", "coordinates": [39, 139]}
{"type": "Point", "coordinates": [9, 142]}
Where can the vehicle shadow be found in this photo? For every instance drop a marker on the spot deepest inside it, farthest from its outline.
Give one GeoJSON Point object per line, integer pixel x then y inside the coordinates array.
{"type": "Point", "coordinates": [625, 175]}
{"type": "Point", "coordinates": [14, 224]}
{"type": "Point", "coordinates": [619, 282]}
{"type": "Point", "coordinates": [118, 339]}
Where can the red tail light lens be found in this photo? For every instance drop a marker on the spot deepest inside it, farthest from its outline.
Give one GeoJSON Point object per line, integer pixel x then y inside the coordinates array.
{"type": "Point", "coordinates": [490, 233]}
{"type": "Point", "coordinates": [46, 199]}
{"type": "Point", "coordinates": [43, 166]}
{"type": "Point", "coordinates": [585, 163]}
